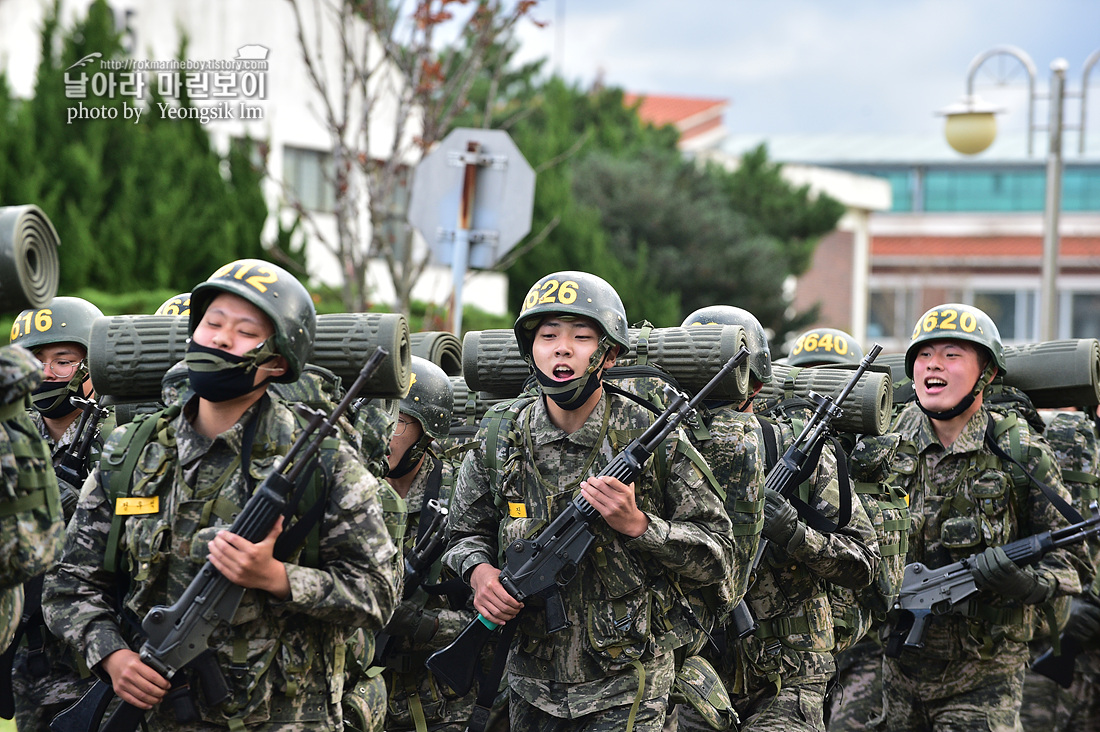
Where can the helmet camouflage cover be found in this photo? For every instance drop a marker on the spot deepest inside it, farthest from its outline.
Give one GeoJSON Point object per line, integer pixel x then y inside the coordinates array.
{"type": "Point", "coordinates": [956, 322]}
{"type": "Point", "coordinates": [820, 346]}
{"type": "Point", "coordinates": [760, 361]}
{"type": "Point", "coordinates": [278, 294]}
{"type": "Point", "coordinates": [430, 398]}
{"type": "Point", "coordinates": [572, 293]}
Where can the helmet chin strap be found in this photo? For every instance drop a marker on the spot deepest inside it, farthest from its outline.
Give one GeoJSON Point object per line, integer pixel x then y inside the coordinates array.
{"type": "Point", "coordinates": [983, 381]}
{"type": "Point", "coordinates": [573, 393]}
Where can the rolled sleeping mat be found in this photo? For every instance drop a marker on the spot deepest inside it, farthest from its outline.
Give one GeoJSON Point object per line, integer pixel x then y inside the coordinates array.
{"type": "Point", "coordinates": [345, 341]}
{"type": "Point", "coordinates": [471, 406]}
{"type": "Point", "coordinates": [867, 410]}
{"type": "Point", "coordinates": [130, 354]}
{"type": "Point", "coordinates": [29, 268]}
{"type": "Point", "coordinates": [1054, 374]}
{"type": "Point", "coordinates": [441, 348]}
{"type": "Point", "coordinates": [491, 359]}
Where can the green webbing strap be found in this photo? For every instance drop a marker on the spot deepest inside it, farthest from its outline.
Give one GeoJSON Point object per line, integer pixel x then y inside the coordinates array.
{"type": "Point", "coordinates": [1068, 512]}
{"type": "Point", "coordinates": [471, 407]}
{"type": "Point", "coordinates": [118, 480]}
{"type": "Point", "coordinates": [1076, 476]}
{"type": "Point", "coordinates": [416, 709]}
{"type": "Point", "coordinates": [40, 486]}
{"type": "Point", "coordinates": [24, 503]}
{"type": "Point", "coordinates": [788, 382]}
{"type": "Point", "coordinates": [642, 348]}
{"type": "Point", "coordinates": [688, 450]}
{"type": "Point", "coordinates": [637, 697]}
{"type": "Point", "coordinates": [782, 627]}
{"type": "Point", "coordinates": [7, 411]}
{"type": "Point", "coordinates": [500, 418]}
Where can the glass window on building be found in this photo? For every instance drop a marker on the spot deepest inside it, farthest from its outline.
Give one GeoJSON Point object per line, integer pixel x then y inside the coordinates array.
{"type": "Point", "coordinates": [1013, 311]}
{"type": "Point", "coordinates": [984, 190]}
{"type": "Point", "coordinates": [1081, 189]}
{"type": "Point", "coordinates": [1085, 315]}
{"type": "Point", "coordinates": [891, 314]}
{"type": "Point", "coordinates": [308, 175]}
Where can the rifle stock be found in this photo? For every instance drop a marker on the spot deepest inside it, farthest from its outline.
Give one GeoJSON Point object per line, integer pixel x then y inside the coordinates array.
{"type": "Point", "coordinates": [538, 567]}
{"type": "Point", "coordinates": [178, 636]}
{"type": "Point", "coordinates": [1060, 667]}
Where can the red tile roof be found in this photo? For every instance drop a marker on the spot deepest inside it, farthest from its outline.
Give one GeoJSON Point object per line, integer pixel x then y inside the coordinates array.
{"type": "Point", "coordinates": [663, 110]}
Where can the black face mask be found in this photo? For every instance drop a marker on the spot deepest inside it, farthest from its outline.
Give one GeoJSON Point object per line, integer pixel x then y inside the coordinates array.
{"type": "Point", "coordinates": [411, 458]}
{"type": "Point", "coordinates": [51, 400]}
{"type": "Point", "coordinates": [218, 376]}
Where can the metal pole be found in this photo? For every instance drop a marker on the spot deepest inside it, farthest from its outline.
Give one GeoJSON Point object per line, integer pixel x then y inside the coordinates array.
{"type": "Point", "coordinates": [462, 234]}
{"type": "Point", "coordinates": [1048, 293]}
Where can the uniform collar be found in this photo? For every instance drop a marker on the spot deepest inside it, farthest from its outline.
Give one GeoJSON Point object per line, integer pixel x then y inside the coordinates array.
{"type": "Point", "coordinates": [971, 439]}
{"type": "Point", "coordinates": [544, 432]}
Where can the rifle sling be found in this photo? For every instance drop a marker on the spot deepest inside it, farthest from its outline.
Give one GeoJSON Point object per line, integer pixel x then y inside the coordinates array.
{"type": "Point", "coordinates": [813, 518]}
{"type": "Point", "coordinates": [431, 493]}
{"type": "Point", "coordinates": [1068, 512]}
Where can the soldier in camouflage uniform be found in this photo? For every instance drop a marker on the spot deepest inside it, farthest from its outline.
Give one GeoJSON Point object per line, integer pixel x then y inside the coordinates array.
{"type": "Point", "coordinates": [1075, 439]}
{"type": "Point", "coordinates": [777, 676]}
{"type": "Point", "coordinates": [252, 323]}
{"type": "Point", "coordinates": [612, 667]}
{"type": "Point", "coordinates": [48, 675]}
{"type": "Point", "coordinates": [964, 503]}
{"type": "Point", "coordinates": [31, 522]}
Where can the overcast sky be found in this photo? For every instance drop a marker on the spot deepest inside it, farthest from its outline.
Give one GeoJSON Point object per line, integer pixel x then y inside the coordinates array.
{"type": "Point", "coordinates": [812, 66]}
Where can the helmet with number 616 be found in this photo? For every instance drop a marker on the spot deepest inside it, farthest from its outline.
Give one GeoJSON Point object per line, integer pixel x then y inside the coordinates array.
{"type": "Point", "coordinates": [956, 322]}
{"type": "Point", "coordinates": [820, 346]}
{"type": "Point", "coordinates": [278, 294]}
{"type": "Point", "coordinates": [572, 293]}
{"type": "Point", "coordinates": [63, 320]}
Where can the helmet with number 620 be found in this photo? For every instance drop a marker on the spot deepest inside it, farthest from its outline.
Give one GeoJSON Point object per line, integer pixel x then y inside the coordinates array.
{"type": "Point", "coordinates": [956, 322]}
{"type": "Point", "coordinates": [820, 346]}
{"type": "Point", "coordinates": [572, 293]}
{"type": "Point", "coordinates": [278, 294]}
{"type": "Point", "coordinates": [178, 305]}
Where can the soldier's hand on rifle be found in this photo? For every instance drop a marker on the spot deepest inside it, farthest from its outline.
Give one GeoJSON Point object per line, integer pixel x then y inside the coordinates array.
{"type": "Point", "coordinates": [133, 681]}
{"type": "Point", "coordinates": [490, 598]}
{"type": "Point", "coordinates": [614, 500]}
{"type": "Point", "coordinates": [251, 565]}
{"type": "Point", "coordinates": [781, 523]}
{"type": "Point", "coordinates": [1084, 623]}
{"type": "Point", "coordinates": [994, 571]}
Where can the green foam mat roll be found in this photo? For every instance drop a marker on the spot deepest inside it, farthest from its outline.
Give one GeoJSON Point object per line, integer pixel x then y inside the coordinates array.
{"type": "Point", "coordinates": [491, 359]}
{"type": "Point", "coordinates": [867, 410]}
{"type": "Point", "coordinates": [471, 406]}
{"type": "Point", "coordinates": [441, 348]}
{"type": "Point", "coordinates": [1054, 374]}
{"type": "Point", "coordinates": [29, 269]}
{"type": "Point", "coordinates": [128, 354]}
{"type": "Point", "coordinates": [345, 341]}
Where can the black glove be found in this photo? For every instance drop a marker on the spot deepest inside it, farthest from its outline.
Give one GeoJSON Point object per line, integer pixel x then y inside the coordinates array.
{"type": "Point", "coordinates": [994, 571]}
{"type": "Point", "coordinates": [781, 524]}
{"type": "Point", "coordinates": [412, 620]}
{"type": "Point", "coordinates": [1084, 623]}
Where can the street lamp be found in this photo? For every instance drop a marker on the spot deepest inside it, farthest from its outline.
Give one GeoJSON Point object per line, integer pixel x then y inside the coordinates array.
{"type": "Point", "coordinates": [971, 127]}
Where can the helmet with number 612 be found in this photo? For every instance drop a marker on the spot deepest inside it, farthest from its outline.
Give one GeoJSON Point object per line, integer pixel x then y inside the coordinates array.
{"type": "Point", "coordinates": [278, 294]}
{"type": "Point", "coordinates": [572, 293]}
{"type": "Point", "coordinates": [956, 322]}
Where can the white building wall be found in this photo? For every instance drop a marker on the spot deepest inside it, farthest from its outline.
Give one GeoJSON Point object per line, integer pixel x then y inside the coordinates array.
{"type": "Point", "coordinates": [293, 112]}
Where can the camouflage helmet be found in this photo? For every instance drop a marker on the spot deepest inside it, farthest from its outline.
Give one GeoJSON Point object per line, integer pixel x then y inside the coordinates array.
{"type": "Point", "coordinates": [430, 398]}
{"type": "Point", "coordinates": [572, 293]}
{"type": "Point", "coordinates": [760, 361]}
{"type": "Point", "coordinates": [821, 346]}
{"type": "Point", "coordinates": [274, 291]}
{"type": "Point", "coordinates": [956, 322]}
{"type": "Point", "coordinates": [178, 305]}
{"type": "Point", "coordinates": [699, 685]}
{"type": "Point", "coordinates": [63, 320]}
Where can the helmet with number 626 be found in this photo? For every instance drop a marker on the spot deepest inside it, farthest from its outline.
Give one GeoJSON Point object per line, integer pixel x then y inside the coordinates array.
{"type": "Point", "coordinates": [572, 293]}
{"type": "Point", "coordinates": [956, 322]}
{"type": "Point", "coordinates": [820, 346]}
{"type": "Point", "coordinates": [278, 294]}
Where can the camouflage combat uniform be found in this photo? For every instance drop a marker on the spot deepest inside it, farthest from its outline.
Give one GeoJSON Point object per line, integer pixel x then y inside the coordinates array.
{"type": "Point", "coordinates": [48, 675]}
{"type": "Point", "coordinates": [777, 676]}
{"type": "Point", "coordinates": [969, 675]}
{"type": "Point", "coordinates": [615, 659]}
{"type": "Point", "coordinates": [284, 658]}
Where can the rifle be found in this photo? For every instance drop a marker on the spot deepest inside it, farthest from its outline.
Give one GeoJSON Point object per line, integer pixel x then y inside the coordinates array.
{"type": "Point", "coordinates": [793, 468]}
{"type": "Point", "coordinates": [418, 563]}
{"type": "Point", "coordinates": [539, 567]}
{"type": "Point", "coordinates": [178, 636]}
{"type": "Point", "coordinates": [73, 468]}
{"type": "Point", "coordinates": [926, 592]}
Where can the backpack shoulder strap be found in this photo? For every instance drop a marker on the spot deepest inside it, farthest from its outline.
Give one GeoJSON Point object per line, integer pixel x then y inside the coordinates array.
{"type": "Point", "coordinates": [993, 431]}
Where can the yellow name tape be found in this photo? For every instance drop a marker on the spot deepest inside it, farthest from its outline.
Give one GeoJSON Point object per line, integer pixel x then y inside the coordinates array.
{"type": "Point", "coordinates": [517, 510]}
{"type": "Point", "coordinates": [130, 506]}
